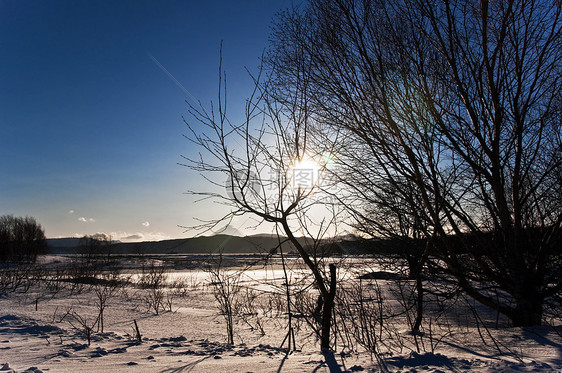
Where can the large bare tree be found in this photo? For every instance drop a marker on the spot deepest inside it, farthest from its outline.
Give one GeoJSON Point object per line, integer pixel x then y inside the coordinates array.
{"type": "Point", "coordinates": [457, 105]}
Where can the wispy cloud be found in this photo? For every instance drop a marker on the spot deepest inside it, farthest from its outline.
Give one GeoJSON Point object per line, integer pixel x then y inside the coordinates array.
{"type": "Point", "coordinates": [146, 224]}
{"type": "Point", "coordinates": [71, 211]}
{"type": "Point", "coordinates": [139, 236]}
{"type": "Point", "coordinates": [86, 220]}
{"type": "Point", "coordinates": [133, 237]}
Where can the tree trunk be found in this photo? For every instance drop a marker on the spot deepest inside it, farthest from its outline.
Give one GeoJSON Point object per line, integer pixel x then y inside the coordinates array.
{"type": "Point", "coordinates": [230, 327]}
{"type": "Point", "coordinates": [327, 308]}
{"type": "Point", "coordinates": [419, 304]}
{"type": "Point", "coordinates": [413, 264]}
{"type": "Point", "coordinates": [327, 294]}
{"type": "Point", "coordinates": [528, 309]}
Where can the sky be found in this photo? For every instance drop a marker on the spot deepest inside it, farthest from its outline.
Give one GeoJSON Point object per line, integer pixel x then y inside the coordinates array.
{"type": "Point", "coordinates": [92, 95]}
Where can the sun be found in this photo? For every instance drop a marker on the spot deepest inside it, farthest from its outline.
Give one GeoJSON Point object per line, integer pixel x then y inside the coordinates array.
{"type": "Point", "coordinates": [305, 173]}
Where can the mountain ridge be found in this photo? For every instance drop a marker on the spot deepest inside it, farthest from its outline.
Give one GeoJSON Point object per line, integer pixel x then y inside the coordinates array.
{"type": "Point", "coordinates": [220, 243]}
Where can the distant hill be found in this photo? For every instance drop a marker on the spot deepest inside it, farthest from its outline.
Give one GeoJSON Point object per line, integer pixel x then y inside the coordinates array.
{"type": "Point", "coordinates": [232, 244]}
{"type": "Point", "coordinates": [197, 245]}
{"type": "Point", "coordinates": [62, 243]}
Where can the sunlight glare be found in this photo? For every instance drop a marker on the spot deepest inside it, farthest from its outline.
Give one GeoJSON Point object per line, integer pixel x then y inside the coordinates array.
{"type": "Point", "coordinates": [305, 173]}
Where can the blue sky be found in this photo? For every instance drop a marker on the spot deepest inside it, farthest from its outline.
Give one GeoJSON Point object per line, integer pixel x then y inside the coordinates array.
{"type": "Point", "coordinates": [91, 127]}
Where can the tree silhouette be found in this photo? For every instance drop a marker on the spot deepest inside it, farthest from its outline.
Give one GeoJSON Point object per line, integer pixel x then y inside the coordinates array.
{"type": "Point", "coordinates": [459, 101]}
{"type": "Point", "coordinates": [21, 239]}
{"type": "Point", "coordinates": [259, 157]}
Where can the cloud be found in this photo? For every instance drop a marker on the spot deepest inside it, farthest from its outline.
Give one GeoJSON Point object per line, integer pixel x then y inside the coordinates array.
{"type": "Point", "coordinates": [101, 236]}
{"type": "Point", "coordinates": [134, 237]}
{"type": "Point", "coordinates": [139, 236]}
{"type": "Point", "coordinates": [127, 236]}
{"type": "Point", "coordinates": [146, 224]}
{"type": "Point", "coordinates": [86, 220]}
{"type": "Point", "coordinates": [71, 211]}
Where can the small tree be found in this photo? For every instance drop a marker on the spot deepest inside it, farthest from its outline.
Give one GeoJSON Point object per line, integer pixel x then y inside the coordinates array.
{"type": "Point", "coordinates": [21, 239]}
{"type": "Point", "coordinates": [226, 287]}
{"type": "Point", "coordinates": [96, 247]}
{"type": "Point", "coordinates": [104, 289]}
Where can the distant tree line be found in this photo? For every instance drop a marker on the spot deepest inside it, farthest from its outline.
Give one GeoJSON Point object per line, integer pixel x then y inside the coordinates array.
{"type": "Point", "coordinates": [21, 239]}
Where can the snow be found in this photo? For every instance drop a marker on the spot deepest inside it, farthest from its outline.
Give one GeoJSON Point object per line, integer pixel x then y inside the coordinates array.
{"type": "Point", "coordinates": [192, 338]}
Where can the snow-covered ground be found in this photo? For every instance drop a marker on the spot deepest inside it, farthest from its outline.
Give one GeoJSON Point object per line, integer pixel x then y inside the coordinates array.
{"type": "Point", "coordinates": [42, 329]}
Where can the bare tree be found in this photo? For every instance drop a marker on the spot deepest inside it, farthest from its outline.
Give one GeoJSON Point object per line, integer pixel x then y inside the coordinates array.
{"type": "Point", "coordinates": [260, 159]}
{"type": "Point", "coordinates": [154, 279]}
{"type": "Point", "coordinates": [21, 239]}
{"type": "Point", "coordinates": [104, 289]}
{"type": "Point", "coordinates": [460, 102]}
{"type": "Point", "coordinates": [96, 247]}
{"type": "Point", "coordinates": [226, 286]}
{"type": "Point", "coordinates": [80, 322]}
